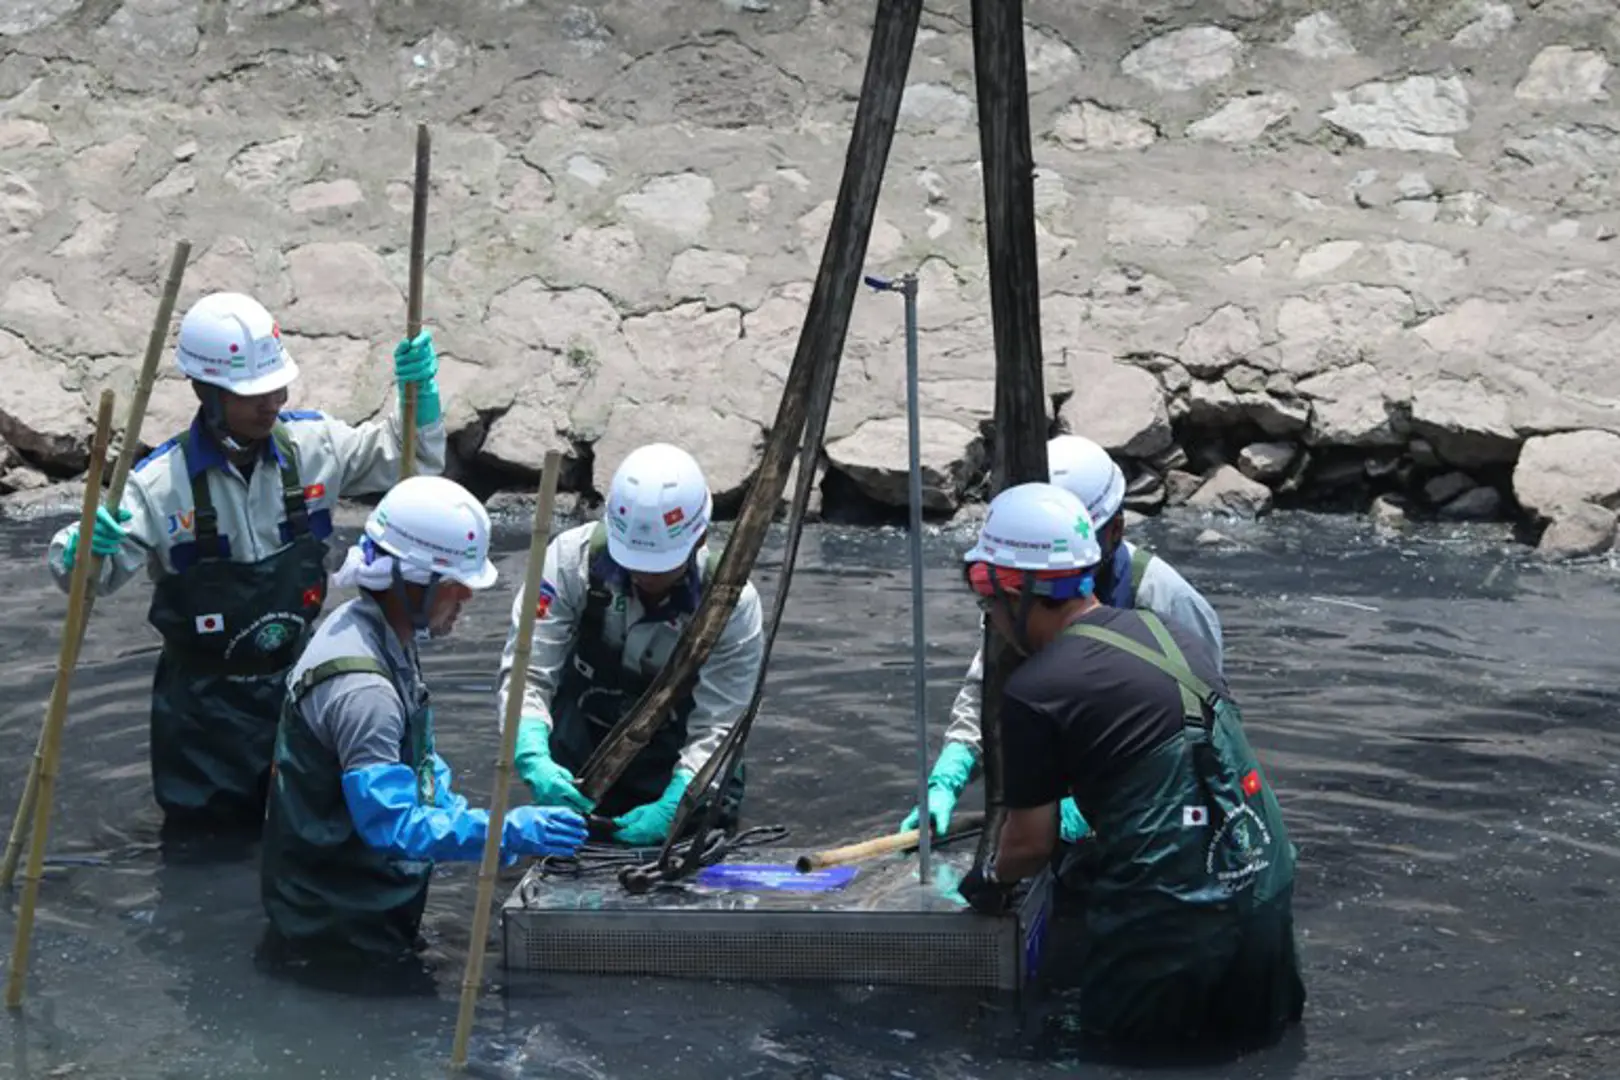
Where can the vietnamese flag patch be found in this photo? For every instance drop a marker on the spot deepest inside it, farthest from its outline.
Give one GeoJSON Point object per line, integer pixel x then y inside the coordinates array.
{"type": "Point", "coordinates": [314, 491]}
{"type": "Point", "coordinates": [1251, 783]}
{"type": "Point", "coordinates": [312, 596]}
{"type": "Point", "coordinates": [542, 603]}
{"type": "Point", "coordinates": [674, 517]}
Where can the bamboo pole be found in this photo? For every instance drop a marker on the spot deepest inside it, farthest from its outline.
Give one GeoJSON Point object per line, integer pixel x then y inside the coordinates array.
{"type": "Point", "coordinates": [885, 845]}
{"type": "Point", "coordinates": [115, 496]}
{"type": "Point", "coordinates": [57, 713]}
{"type": "Point", "coordinates": [413, 303]}
{"type": "Point", "coordinates": [539, 538]}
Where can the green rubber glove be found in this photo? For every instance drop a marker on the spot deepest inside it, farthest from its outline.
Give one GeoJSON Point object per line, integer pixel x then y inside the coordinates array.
{"type": "Point", "coordinates": [105, 539]}
{"type": "Point", "coordinates": [549, 783]}
{"type": "Point", "coordinates": [950, 775]}
{"type": "Point", "coordinates": [649, 824]}
{"type": "Point", "coordinates": [1075, 826]}
{"type": "Point", "coordinates": [415, 361]}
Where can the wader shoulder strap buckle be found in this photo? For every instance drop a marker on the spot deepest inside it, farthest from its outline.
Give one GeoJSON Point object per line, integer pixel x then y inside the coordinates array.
{"type": "Point", "coordinates": [598, 596]}
{"type": "Point", "coordinates": [292, 484]}
{"type": "Point", "coordinates": [338, 665]}
{"type": "Point", "coordinates": [1197, 698]}
{"type": "Point", "coordinates": [206, 526]}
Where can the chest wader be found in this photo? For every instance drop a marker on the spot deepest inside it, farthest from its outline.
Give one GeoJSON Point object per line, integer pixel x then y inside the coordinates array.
{"type": "Point", "coordinates": [230, 632]}
{"type": "Point", "coordinates": [597, 690]}
{"type": "Point", "coordinates": [1194, 870]}
{"type": "Point", "coordinates": [322, 885]}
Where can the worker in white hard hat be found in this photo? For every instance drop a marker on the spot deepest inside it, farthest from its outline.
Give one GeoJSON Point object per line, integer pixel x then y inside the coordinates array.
{"type": "Point", "coordinates": [615, 596]}
{"type": "Point", "coordinates": [360, 804]}
{"type": "Point", "coordinates": [1128, 576]}
{"type": "Point", "coordinates": [231, 520]}
{"type": "Point", "coordinates": [1188, 909]}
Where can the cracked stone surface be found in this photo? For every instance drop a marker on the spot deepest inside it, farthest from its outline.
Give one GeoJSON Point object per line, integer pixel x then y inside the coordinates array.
{"type": "Point", "coordinates": [1420, 112]}
{"type": "Point", "coordinates": [1186, 58]}
{"type": "Point", "coordinates": [1566, 76]}
{"type": "Point", "coordinates": [1320, 37]}
{"type": "Point", "coordinates": [1335, 233]}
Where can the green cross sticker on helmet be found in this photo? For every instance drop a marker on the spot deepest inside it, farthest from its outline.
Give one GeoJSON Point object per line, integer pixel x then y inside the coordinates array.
{"type": "Point", "coordinates": [1037, 526]}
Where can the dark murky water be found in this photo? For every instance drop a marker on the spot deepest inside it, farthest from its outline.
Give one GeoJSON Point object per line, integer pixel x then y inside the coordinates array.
{"type": "Point", "coordinates": [1435, 714]}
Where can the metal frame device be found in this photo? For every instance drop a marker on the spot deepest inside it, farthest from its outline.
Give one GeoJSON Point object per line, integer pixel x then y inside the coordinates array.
{"type": "Point", "coordinates": [883, 928]}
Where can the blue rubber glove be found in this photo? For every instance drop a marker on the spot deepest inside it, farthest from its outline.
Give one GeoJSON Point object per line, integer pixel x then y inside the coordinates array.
{"type": "Point", "coordinates": [106, 537]}
{"type": "Point", "coordinates": [383, 805]}
{"type": "Point", "coordinates": [649, 824]}
{"type": "Point", "coordinates": [542, 832]}
{"type": "Point", "coordinates": [444, 796]}
{"type": "Point", "coordinates": [1075, 827]}
{"type": "Point", "coordinates": [549, 783]}
{"type": "Point", "coordinates": [416, 362]}
{"type": "Point", "coordinates": [950, 775]}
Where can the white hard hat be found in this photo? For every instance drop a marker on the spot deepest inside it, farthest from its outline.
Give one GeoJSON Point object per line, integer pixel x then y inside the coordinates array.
{"type": "Point", "coordinates": [658, 507]}
{"type": "Point", "coordinates": [230, 341]}
{"type": "Point", "coordinates": [431, 525]}
{"type": "Point", "coordinates": [1037, 527]}
{"type": "Point", "coordinates": [1077, 464]}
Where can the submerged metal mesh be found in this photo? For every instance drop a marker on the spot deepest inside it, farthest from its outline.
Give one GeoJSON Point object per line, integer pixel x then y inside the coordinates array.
{"type": "Point", "coordinates": [950, 952]}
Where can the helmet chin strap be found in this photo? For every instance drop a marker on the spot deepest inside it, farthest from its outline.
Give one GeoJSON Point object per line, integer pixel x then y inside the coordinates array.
{"type": "Point", "coordinates": [213, 406]}
{"type": "Point", "coordinates": [1026, 603]}
{"type": "Point", "coordinates": [418, 612]}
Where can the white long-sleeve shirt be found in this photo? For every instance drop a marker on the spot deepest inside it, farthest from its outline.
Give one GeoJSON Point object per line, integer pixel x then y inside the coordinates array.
{"type": "Point", "coordinates": [334, 459]}
{"type": "Point", "coordinates": [725, 683]}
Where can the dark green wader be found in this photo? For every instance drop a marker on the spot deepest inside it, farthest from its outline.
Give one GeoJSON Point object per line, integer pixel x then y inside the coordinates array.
{"type": "Point", "coordinates": [230, 632]}
{"type": "Point", "coordinates": [596, 691]}
{"type": "Point", "coordinates": [1188, 914]}
{"type": "Point", "coordinates": [325, 890]}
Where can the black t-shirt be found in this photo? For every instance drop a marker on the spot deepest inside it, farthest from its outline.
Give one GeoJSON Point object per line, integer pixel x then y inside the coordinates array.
{"type": "Point", "coordinates": [1080, 712]}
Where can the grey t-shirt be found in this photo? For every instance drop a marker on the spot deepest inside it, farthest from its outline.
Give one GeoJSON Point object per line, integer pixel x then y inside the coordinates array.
{"type": "Point", "coordinates": [360, 716]}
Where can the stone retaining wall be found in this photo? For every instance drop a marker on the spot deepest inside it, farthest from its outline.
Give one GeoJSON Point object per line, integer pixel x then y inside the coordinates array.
{"type": "Point", "coordinates": [1347, 252]}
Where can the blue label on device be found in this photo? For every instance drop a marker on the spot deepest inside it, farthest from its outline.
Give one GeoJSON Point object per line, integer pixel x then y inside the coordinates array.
{"type": "Point", "coordinates": [774, 877]}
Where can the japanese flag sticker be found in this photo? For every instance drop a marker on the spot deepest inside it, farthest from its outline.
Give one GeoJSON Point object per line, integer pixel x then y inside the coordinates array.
{"type": "Point", "coordinates": [1193, 816]}
{"type": "Point", "coordinates": [210, 624]}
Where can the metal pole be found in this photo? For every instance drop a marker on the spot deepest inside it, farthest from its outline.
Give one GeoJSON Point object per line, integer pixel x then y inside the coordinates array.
{"type": "Point", "coordinates": [919, 643]}
{"type": "Point", "coordinates": [906, 286]}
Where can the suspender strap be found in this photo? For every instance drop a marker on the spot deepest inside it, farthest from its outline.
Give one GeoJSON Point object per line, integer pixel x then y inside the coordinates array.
{"type": "Point", "coordinates": [1140, 557]}
{"type": "Point", "coordinates": [1194, 691]}
{"type": "Point", "coordinates": [292, 496]}
{"type": "Point", "coordinates": [339, 665]}
{"type": "Point", "coordinates": [207, 523]}
{"type": "Point", "coordinates": [597, 595]}
{"type": "Point", "coordinates": [292, 486]}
